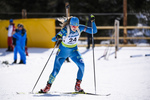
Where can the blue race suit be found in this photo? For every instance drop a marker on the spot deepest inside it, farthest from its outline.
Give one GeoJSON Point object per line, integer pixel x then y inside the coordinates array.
{"type": "Point", "coordinates": [20, 38]}
{"type": "Point", "coordinates": [68, 48]}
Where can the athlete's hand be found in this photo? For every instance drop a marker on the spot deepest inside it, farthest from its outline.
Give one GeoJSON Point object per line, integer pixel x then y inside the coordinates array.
{"type": "Point", "coordinates": [57, 37]}
{"type": "Point", "coordinates": [54, 39]}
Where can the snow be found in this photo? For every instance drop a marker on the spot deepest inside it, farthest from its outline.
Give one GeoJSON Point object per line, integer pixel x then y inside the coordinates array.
{"type": "Point", "coordinates": [125, 78]}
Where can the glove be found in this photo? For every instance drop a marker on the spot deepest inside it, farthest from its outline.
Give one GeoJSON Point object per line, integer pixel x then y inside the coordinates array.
{"type": "Point", "coordinates": [92, 18]}
{"type": "Point", "coordinates": [23, 31]}
{"type": "Point", "coordinates": [54, 39]}
{"type": "Point", "coordinates": [6, 28]}
{"type": "Point", "coordinates": [16, 30]}
{"type": "Point", "coordinates": [58, 36]}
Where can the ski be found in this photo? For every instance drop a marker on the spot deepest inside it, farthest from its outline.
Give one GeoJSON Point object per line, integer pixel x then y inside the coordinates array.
{"type": "Point", "coordinates": [20, 93]}
{"type": "Point", "coordinates": [84, 52]}
{"type": "Point", "coordinates": [75, 93]}
{"type": "Point", "coordinates": [87, 93]}
{"type": "Point", "coordinates": [27, 93]}
{"type": "Point", "coordinates": [132, 56]}
{"type": "Point", "coordinates": [6, 63]}
{"type": "Point", "coordinates": [101, 57]}
{"type": "Point", "coordinates": [65, 93]}
{"type": "Point", "coordinates": [147, 54]}
{"type": "Point", "coordinates": [105, 54]}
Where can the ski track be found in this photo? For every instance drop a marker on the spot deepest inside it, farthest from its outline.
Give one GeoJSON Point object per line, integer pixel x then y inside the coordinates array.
{"type": "Point", "coordinates": [125, 78]}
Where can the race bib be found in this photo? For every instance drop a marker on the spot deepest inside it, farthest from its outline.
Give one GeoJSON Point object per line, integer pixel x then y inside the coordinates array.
{"type": "Point", "coordinates": [71, 39]}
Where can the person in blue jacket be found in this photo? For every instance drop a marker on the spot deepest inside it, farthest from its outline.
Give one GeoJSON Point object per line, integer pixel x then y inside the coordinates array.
{"type": "Point", "coordinates": [19, 39]}
{"type": "Point", "coordinates": [69, 34]}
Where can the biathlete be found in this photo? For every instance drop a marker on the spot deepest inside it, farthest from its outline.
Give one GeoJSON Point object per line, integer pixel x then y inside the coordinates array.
{"type": "Point", "coordinates": [69, 34]}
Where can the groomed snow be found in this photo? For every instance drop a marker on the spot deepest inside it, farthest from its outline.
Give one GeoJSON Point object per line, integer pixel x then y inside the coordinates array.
{"type": "Point", "coordinates": [125, 78]}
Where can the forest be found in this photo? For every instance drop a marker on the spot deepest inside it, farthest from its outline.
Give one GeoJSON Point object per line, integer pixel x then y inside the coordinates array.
{"type": "Point", "coordinates": [107, 9]}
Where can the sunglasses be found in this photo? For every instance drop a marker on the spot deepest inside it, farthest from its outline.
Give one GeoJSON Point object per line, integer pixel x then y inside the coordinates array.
{"type": "Point", "coordinates": [74, 26]}
{"type": "Point", "coordinates": [19, 25]}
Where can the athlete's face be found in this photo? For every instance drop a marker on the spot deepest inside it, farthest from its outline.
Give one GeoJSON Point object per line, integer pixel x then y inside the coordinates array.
{"type": "Point", "coordinates": [74, 28]}
{"type": "Point", "coordinates": [20, 28]}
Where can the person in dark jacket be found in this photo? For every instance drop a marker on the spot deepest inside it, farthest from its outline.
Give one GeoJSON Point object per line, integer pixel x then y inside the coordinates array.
{"type": "Point", "coordinates": [89, 36]}
{"type": "Point", "coordinates": [26, 48]}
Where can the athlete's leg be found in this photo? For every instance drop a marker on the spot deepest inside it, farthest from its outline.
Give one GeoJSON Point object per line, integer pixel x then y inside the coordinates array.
{"type": "Point", "coordinates": [79, 61]}
{"type": "Point", "coordinates": [61, 55]}
{"type": "Point", "coordinates": [76, 57]}
{"type": "Point", "coordinates": [57, 65]}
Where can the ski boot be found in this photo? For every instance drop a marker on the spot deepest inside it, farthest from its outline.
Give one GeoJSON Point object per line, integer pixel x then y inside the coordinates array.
{"type": "Point", "coordinates": [14, 62]}
{"type": "Point", "coordinates": [9, 49]}
{"type": "Point", "coordinates": [46, 89]}
{"type": "Point", "coordinates": [77, 86]}
{"type": "Point", "coordinates": [21, 62]}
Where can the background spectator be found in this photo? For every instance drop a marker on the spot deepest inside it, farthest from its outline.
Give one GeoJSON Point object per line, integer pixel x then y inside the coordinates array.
{"type": "Point", "coordinates": [11, 29]}
{"type": "Point", "coordinates": [19, 39]}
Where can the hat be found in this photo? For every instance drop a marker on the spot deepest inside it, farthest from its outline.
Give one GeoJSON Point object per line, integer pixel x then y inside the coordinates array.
{"type": "Point", "coordinates": [74, 21]}
{"type": "Point", "coordinates": [20, 25]}
{"type": "Point", "coordinates": [11, 20]}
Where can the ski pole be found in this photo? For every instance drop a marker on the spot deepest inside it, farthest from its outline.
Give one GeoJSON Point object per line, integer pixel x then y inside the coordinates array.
{"type": "Point", "coordinates": [44, 66]}
{"type": "Point", "coordinates": [93, 57]}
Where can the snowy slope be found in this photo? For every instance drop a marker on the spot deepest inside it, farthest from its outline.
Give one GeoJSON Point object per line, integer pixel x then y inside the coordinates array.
{"type": "Point", "coordinates": [125, 78]}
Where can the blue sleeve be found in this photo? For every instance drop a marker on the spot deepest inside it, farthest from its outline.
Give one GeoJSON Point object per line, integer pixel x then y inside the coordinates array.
{"type": "Point", "coordinates": [15, 36]}
{"type": "Point", "coordinates": [61, 33]}
{"type": "Point", "coordinates": [88, 29]}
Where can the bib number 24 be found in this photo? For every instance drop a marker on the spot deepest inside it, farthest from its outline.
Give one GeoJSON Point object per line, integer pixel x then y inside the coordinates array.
{"type": "Point", "coordinates": [72, 40]}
